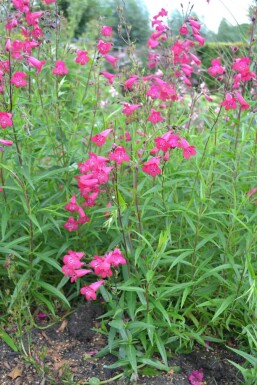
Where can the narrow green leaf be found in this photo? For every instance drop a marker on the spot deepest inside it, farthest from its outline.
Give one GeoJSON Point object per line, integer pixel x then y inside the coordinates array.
{"type": "Point", "coordinates": [53, 290]}
{"type": "Point", "coordinates": [8, 340]}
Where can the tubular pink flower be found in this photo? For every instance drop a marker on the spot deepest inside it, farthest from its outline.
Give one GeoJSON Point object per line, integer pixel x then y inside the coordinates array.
{"type": "Point", "coordinates": [128, 109]}
{"type": "Point", "coordinates": [200, 39]}
{"type": "Point", "coordinates": [36, 63]}
{"type": "Point", "coordinates": [100, 139]}
{"type": "Point", "coordinates": [5, 142]}
{"type": "Point", "coordinates": [243, 103]}
{"type": "Point", "coordinates": [110, 77]}
{"type": "Point", "coordinates": [90, 291]}
{"type": "Point", "coordinates": [111, 59]}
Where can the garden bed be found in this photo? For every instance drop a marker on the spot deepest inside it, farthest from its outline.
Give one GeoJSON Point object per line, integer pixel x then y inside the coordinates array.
{"type": "Point", "coordinates": [64, 353]}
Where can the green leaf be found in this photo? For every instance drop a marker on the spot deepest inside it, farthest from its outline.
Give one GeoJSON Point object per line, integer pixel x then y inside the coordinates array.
{"type": "Point", "coordinates": [53, 290]}
{"type": "Point", "coordinates": [156, 364]}
{"type": "Point", "coordinates": [131, 288]}
{"type": "Point", "coordinates": [225, 304]}
{"type": "Point", "coordinates": [8, 340]}
{"type": "Point", "coordinates": [251, 359]}
{"type": "Point", "coordinates": [132, 357]}
{"type": "Point", "coordinates": [161, 348]}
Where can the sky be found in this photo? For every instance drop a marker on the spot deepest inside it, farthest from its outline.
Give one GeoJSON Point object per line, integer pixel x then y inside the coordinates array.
{"type": "Point", "coordinates": [235, 11]}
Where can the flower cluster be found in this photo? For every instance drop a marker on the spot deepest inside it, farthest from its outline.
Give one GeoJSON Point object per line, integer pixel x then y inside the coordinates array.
{"type": "Point", "coordinates": [241, 75]}
{"type": "Point", "coordinates": [102, 267]}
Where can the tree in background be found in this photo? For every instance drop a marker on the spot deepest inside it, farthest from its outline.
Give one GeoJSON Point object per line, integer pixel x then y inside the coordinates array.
{"type": "Point", "coordinates": [82, 15]}
{"type": "Point", "coordinates": [231, 33]}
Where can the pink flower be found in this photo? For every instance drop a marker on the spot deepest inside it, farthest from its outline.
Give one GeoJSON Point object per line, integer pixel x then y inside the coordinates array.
{"type": "Point", "coordinates": [21, 5]}
{"type": "Point", "coordinates": [71, 224]}
{"type": "Point", "coordinates": [216, 68]}
{"type": "Point", "coordinates": [229, 102]}
{"type": "Point", "coordinates": [200, 39]}
{"type": "Point", "coordinates": [104, 47]}
{"type": "Point", "coordinates": [60, 68]}
{"type": "Point", "coordinates": [183, 30]}
{"type": "Point", "coordinates": [196, 377]}
{"type": "Point", "coordinates": [36, 63]}
{"type": "Point", "coordinates": [18, 79]}
{"type": "Point", "coordinates": [194, 23]}
{"type": "Point", "coordinates": [243, 103]}
{"type": "Point", "coordinates": [32, 17]}
{"type": "Point", "coordinates": [101, 266]}
{"type": "Point", "coordinates": [119, 155]}
{"type": "Point", "coordinates": [152, 43]}
{"type": "Point", "coordinates": [111, 59]}
{"type": "Point", "coordinates": [72, 206]}
{"type": "Point", "coordinates": [100, 139]}
{"type": "Point", "coordinates": [6, 119]}
{"type": "Point", "coordinates": [155, 117]}
{"type": "Point", "coordinates": [78, 274]}
{"type": "Point", "coordinates": [188, 150]}
{"type": "Point", "coordinates": [49, 1]}
{"type": "Point", "coordinates": [115, 258]}
{"type": "Point", "coordinates": [251, 192]}
{"type": "Point", "coordinates": [5, 142]}
{"type": "Point", "coordinates": [151, 167]}
{"type": "Point", "coordinates": [82, 57]}
{"type": "Point", "coordinates": [241, 65]}
{"type": "Point", "coordinates": [128, 109]}
{"type": "Point", "coordinates": [110, 77]}
{"type": "Point", "coordinates": [106, 30]}
{"type": "Point", "coordinates": [195, 59]}
{"type": "Point", "coordinates": [72, 259]}
{"type": "Point", "coordinates": [128, 85]}
{"type": "Point", "coordinates": [90, 291]}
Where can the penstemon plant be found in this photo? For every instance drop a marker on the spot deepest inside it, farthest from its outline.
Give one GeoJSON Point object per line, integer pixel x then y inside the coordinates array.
{"type": "Point", "coordinates": [106, 168]}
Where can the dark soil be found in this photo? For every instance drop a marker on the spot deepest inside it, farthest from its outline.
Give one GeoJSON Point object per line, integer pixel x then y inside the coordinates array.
{"type": "Point", "coordinates": [63, 354]}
